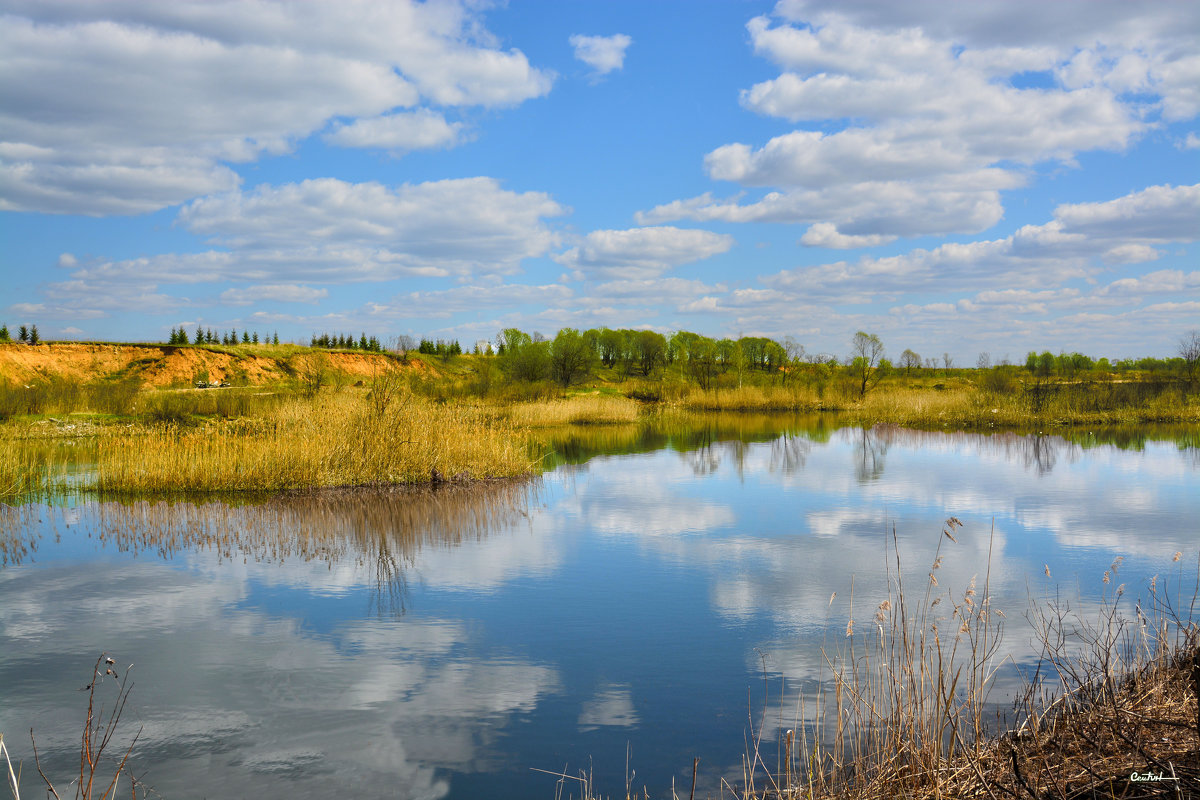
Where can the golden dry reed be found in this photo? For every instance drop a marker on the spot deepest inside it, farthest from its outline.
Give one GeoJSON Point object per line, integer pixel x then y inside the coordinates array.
{"type": "Point", "coordinates": [594, 409]}
{"type": "Point", "coordinates": [1051, 405]}
{"type": "Point", "coordinates": [753, 398]}
{"type": "Point", "coordinates": [330, 440]}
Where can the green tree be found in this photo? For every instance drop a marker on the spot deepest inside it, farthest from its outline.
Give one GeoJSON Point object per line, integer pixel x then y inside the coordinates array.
{"type": "Point", "coordinates": [701, 361]}
{"type": "Point", "coordinates": [612, 346]}
{"type": "Point", "coordinates": [866, 351]}
{"type": "Point", "coordinates": [33, 335]}
{"type": "Point", "coordinates": [523, 359]}
{"type": "Point", "coordinates": [4, 337]}
{"type": "Point", "coordinates": [679, 345]}
{"type": "Point", "coordinates": [23, 334]}
{"type": "Point", "coordinates": [651, 350]}
{"type": "Point", "coordinates": [910, 360]}
{"type": "Point", "coordinates": [199, 338]}
{"type": "Point", "coordinates": [570, 357]}
{"type": "Point", "coordinates": [1045, 364]}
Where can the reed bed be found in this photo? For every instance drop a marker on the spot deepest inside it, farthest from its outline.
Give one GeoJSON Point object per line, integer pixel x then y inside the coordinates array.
{"type": "Point", "coordinates": [585, 409]}
{"type": "Point", "coordinates": [38, 467]}
{"type": "Point", "coordinates": [326, 441]}
{"type": "Point", "coordinates": [332, 439]}
{"type": "Point", "coordinates": [1053, 405]}
{"type": "Point", "coordinates": [753, 398]}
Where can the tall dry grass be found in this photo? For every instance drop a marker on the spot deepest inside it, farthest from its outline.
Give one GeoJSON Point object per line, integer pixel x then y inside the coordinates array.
{"type": "Point", "coordinates": [960, 405]}
{"type": "Point", "coordinates": [759, 398]}
{"type": "Point", "coordinates": [595, 409]}
{"type": "Point", "coordinates": [909, 711]}
{"type": "Point", "coordinates": [329, 440]}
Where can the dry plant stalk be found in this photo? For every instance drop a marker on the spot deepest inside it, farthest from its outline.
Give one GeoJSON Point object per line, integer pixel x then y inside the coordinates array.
{"type": "Point", "coordinates": [98, 732]}
{"type": "Point", "coordinates": [906, 710]}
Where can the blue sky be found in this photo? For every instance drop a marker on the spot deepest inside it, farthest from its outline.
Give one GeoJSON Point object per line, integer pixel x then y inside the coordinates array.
{"type": "Point", "coordinates": [954, 177]}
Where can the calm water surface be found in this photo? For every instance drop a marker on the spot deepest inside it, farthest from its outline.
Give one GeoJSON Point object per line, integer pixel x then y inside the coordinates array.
{"type": "Point", "coordinates": [652, 593]}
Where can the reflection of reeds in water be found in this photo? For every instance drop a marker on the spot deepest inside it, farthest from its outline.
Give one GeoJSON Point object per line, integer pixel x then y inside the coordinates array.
{"type": "Point", "coordinates": [381, 530]}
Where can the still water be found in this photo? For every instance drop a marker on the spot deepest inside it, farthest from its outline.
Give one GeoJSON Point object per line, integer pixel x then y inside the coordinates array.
{"type": "Point", "coordinates": [639, 605]}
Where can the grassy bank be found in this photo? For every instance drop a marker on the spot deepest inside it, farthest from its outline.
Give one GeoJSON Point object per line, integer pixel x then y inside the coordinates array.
{"type": "Point", "coordinates": [304, 418]}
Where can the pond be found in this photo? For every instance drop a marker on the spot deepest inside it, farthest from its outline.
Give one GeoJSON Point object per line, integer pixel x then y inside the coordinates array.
{"type": "Point", "coordinates": [651, 598]}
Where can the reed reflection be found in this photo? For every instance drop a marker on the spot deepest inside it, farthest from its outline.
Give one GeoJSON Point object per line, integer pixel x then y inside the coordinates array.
{"type": "Point", "coordinates": [379, 530]}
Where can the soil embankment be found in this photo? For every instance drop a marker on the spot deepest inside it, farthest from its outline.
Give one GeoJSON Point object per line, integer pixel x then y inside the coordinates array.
{"type": "Point", "coordinates": [162, 366]}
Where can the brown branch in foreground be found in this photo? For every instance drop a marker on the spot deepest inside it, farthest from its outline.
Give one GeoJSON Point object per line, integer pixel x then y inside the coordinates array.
{"type": "Point", "coordinates": [98, 733]}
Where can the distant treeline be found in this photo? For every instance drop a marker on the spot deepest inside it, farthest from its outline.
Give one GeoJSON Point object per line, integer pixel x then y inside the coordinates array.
{"type": "Point", "coordinates": [571, 354]}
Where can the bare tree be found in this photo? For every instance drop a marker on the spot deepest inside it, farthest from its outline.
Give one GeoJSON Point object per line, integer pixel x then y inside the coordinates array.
{"type": "Point", "coordinates": [866, 351]}
{"type": "Point", "coordinates": [386, 385]}
{"type": "Point", "coordinates": [947, 360]}
{"type": "Point", "coordinates": [314, 373]}
{"type": "Point", "coordinates": [402, 344]}
{"type": "Point", "coordinates": [1189, 350]}
{"type": "Point", "coordinates": [984, 361]}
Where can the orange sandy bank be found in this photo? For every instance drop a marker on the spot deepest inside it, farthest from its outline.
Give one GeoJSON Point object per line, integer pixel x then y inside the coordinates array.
{"type": "Point", "coordinates": [170, 365]}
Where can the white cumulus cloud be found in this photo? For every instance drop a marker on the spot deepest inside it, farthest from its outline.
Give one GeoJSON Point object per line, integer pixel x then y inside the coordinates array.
{"type": "Point", "coordinates": [127, 108]}
{"type": "Point", "coordinates": [914, 122]}
{"type": "Point", "coordinates": [642, 252]}
{"type": "Point", "coordinates": [278, 292]}
{"type": "Point", "coordinates": [603, 54]}
{"type": "Point", "coordinates": [416, 130]}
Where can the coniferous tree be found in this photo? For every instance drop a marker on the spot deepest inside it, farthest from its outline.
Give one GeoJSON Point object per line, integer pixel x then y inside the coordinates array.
{"type": "Point", "coordinates": [255, 337]}
{"type": "Point", "coordinates": [4, 337]}
{"type": "Point", "coordinates": [33, 335]}
{"type": "Point", "coordinates": [199, 335]}
{"type": "Point", "coordinates": [183, 337]}
{"type": "Point", "coordinates": [210, 337]}
{"type": "Point", "coordinates": [246, 337]}
{"type": "Point", "coordinates": [275, 339]}
{"type": "Point", "coordinates": [233, 336]}
{"type": "Point", "coordinates": [362, 341]}
{"type": "Point", "coordinates": [23, 334]}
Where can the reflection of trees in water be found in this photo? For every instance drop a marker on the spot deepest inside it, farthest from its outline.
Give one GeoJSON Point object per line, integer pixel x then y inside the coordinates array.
{"type": "Point", "coordinates": [382, 530]}
{"type": "Point", "coordinates": [789, 454]}
{"type": "Point", "coordinates": [706, 459]}
{"type": "Point", "coordinates": [1037, 451]}
{"type": "Point", "coordinates": [870, 452]}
